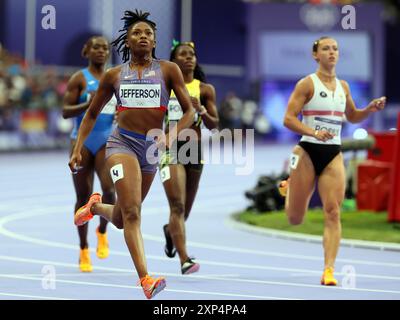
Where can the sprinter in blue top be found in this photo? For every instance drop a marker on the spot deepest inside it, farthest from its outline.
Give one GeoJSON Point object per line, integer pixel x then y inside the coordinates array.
{"type": "Point", "coordinates": [80, 92]}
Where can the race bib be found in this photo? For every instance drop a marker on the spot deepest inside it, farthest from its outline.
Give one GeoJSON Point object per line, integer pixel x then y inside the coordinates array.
{"type": "Point", "coordinates": [110, 107]}
{"type": "Point", "coordinates": [165, 174]}
{"type": "Point", "coordinates": [140, 95]}
{"type": "Point", "coordinates": [117, 173]}
{"type": "Point", "coordinates": [332, 126]}
{"type": "Point", "coordinates": [294, 161]}
{"type": "Point", "coordinates": [175, 112]}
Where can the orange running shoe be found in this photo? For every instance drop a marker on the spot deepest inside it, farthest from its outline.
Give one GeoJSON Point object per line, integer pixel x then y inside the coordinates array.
{"type": "Point", "coordinates": [85, 265]}
{"type": "Point", "coordinates": [102, 250]}
{"type": "Point", "coordinates": [152, 286]}
{"type": "Point", "coordinates": [83, 214]}
{"type": "Point", "coordinates": [283, 186]}
{"type": "Point", "coordinates": [327, 277]}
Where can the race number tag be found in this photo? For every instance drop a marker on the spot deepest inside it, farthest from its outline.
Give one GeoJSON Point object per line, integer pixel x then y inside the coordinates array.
{"type": "Point", "coordinates": [140, 95]}
{"type": "Point", "coordinates": [332, 126]}
{"type": "Point", "coordinates": [111, 106]}
{"type": "Point", "coordinates": [175, 112]}
{"type": "Point", "coordinates": [294, 160]}
{"type": "Point", "coordinates": [117, 173]}
{"type": "Point", "coordinates": [165, 174]}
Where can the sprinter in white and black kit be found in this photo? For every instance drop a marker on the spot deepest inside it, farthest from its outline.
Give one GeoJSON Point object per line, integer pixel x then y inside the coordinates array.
{"type": "Point", "coordinates": [325, 102]}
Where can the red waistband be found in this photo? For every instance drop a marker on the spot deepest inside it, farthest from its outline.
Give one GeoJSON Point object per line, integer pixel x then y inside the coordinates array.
{"type": "Point", "coordinates": [161, 108]}
{"type": "Point", "coordinates": [322, 113]}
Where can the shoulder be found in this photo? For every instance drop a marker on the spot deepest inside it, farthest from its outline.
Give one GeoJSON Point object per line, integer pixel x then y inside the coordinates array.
{"type": "Point", "coordinates": [305, 84]}
{"type": "Point", "coordinates": [76, 78]}
{"type": "Point", "coordinates": [345, 85]}
{"type": "Point", "coordinates": [113, 70]}
{"type": "Point", "coordinates": [168, 65]}
{"type": "Point", "coordinates": [206, 87]}
{"type": "Point", "coordinates": [170, 70]}
{"type": "Point", "coordinates": [112, 73]}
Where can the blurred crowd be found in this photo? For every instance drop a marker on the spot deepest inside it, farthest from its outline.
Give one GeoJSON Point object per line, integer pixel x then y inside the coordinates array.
{"type": "Point", "coordinates": [238, 113]}
{"type": "Point", "coordinates": [31, 103]}
{"type": "Point", "coordinates": [30, 98]}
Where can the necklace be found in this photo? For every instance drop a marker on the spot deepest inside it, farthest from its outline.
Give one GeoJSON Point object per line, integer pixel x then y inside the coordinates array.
{"type": "Point", "coordinates": [146, 60]}
{"type": "Point", "coordinates": [328, 76]}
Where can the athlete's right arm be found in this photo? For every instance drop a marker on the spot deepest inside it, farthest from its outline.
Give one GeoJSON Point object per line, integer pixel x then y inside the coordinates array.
{"type": "Point", "coordinates": [103, 95]}
{"type": "Point", "coordinates": [299, 97]}
{"type": "Point", "coordinates": [74, 88]}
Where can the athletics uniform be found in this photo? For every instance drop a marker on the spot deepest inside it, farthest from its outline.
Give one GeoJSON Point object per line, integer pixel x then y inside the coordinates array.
{"type": "Point", "coordinates": [189, 152]}
{"type": "Point", "coordinates": [131, 92]}
{"type": "Point", "coordinates": [324, 111]}
{"type": "Point", "coordinates": [104, 123]}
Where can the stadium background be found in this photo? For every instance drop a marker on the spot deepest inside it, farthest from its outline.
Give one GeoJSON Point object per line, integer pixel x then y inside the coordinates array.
{"type": "Point", "coordinates": [252, 51]}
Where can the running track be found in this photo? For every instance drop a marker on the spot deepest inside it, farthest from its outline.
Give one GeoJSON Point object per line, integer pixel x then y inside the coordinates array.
{"type": "Point", "coordinates": [38, 240]}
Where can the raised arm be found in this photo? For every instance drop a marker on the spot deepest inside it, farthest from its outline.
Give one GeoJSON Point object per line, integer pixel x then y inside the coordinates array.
{"type": "Point", "coordinates": [355, 115]}
{"type": "Point", "coordinates": [103, 95]}
{"type": "Point", "coordinates": [299, 97]}
{"type": "Point", "coordinates": [70, 106]}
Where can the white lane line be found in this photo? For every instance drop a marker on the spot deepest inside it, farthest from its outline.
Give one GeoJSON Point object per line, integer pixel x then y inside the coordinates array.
{"type": "Point", "coordinates": [316, 239]}
{"type": "Point", "coordinates": [219, 278]}
{"type": "Point", "coordinates": [31, 296]}
{"type": "Point", "coordinates": [270, 253]}
{"type": "Point", "coordinates": [109, 285]}
{"type": "Point", "coordinates": [33, 213]}
{"type": "Point", "coordinates": [290, 270]}
{"type": "Point", "coordinates": [115, 274]}
{"type": "Point", "coordinates": [205, 191]}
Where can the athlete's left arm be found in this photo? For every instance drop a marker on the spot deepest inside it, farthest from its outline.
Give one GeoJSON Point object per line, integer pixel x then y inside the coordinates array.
{"type": "Point", "coordinates": [208, 110]}
{"type": "Point", "coordinates": [355, 115]}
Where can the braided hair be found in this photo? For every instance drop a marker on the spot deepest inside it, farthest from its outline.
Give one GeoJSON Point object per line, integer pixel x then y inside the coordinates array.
{"type": "Point", "coordinates": [130, 18]}
{"type": "Point", "coordinates": [198, 72]}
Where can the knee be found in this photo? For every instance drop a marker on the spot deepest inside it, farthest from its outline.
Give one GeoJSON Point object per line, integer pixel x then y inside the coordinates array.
{"type": "Point", "coordinates": [332, 213]}
{"type": "Point", "coordinates": [177, 207]}
{"type": "Point", "coordinates": [295, 220]}
{"type": "Point", "coordinates": [131, 214]}
{"type": "Point", "coordinates": [295, 216]}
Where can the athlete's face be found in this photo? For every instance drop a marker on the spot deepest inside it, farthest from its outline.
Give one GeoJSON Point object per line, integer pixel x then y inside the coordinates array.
{"type": "Point", "coordinates": [327, 53]}
{"type": "Point", "coordinates": [99, 50]}
{"type": "Point", "coordinates": [141, 37]}
{"type": "Point", "coordinates": [185, 58]}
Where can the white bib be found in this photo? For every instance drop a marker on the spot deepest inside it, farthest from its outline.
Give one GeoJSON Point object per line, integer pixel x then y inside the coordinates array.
{"type": "Point", "coordinates": [332, 126]}
{"type": "Point", "coordinates": [110, 107]}
{"type": "Point", "coordinates": [138, 95]}
{"type": "Point", "coordinates": [175, 112]}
